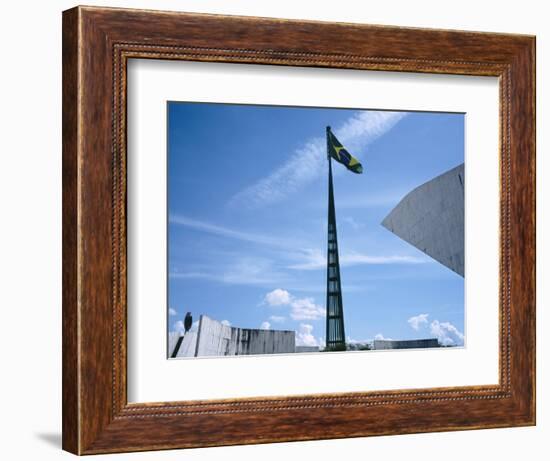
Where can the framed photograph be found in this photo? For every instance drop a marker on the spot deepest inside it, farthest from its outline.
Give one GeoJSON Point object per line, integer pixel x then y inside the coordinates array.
{"type": "Point", "coordinates": [281, 230]}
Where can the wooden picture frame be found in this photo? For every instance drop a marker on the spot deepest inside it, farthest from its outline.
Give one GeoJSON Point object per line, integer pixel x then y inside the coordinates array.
{"type": "Point", "coordinates": [97, 43]}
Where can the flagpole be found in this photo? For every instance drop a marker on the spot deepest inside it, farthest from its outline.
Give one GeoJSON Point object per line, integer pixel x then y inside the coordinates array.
{"type": "Point", "coordinates": [335, 334]}
{"type": "Point", "coordinates": [328, 343]}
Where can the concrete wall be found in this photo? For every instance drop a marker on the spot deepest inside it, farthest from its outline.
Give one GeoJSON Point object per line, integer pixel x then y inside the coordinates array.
{"type": "Point", "coordinates": [216, 339]}
{"type": "Point", "coordinates": [173, 337]}
{"type": "Point", "coordinates": [380, 344]}
{"type": "Point", "coordinates": [431, 217]}
{"type": "Point", "coordinates": [188, 347]}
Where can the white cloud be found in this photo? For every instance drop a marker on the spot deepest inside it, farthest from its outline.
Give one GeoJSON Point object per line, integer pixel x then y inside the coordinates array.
{"type": "Point", "coordinates": [300, 308]}
{"type": "Point", "coordinates": [446, 333]}
{"type": "Point", "coordinates": [265, 326]}
{"type": "Point", "coordinates": [316, 259]}
{"type": "Point", "coordinates": [417, 321]}
{"type": "Point", "coordinates": [172, 311]}
{"type": "Point", "coordinates": [278, 297]}
{"type": "Point", "coordinates": [308, 162]}
{"type": "Point", "coordinates": [227, 323]}
{"type": "Point", "coordinates": [358, 341]}
{"type": "Point", "coordinates": [277, 318]}
{"type": "Point", "coordinates": [304, 336]}
{"type": "Point", "coordinates": [179, 327]}
{"type": "Point", "coordinates": [306, 309]}
{"type": "Point", "coordinates": [380, 336]}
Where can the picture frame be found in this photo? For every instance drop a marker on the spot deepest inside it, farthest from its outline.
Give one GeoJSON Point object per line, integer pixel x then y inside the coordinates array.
{"type": "Point", "coordinates": [97, 44]}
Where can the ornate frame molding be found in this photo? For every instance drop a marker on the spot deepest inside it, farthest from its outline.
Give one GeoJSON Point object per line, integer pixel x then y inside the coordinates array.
{"type": "Point", "coordinates": [97, 43]}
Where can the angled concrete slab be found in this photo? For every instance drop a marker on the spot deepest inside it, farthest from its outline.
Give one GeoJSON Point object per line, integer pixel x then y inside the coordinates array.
{"type": "Point", "coordinates": [431, 218]}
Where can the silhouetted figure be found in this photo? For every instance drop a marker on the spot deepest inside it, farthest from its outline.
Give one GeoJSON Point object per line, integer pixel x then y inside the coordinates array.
{"type": "Point", "coordinates": [188, 322]}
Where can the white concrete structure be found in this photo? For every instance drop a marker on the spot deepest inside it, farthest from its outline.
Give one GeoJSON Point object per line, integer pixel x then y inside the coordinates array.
{"type": "Point", "coordinates": [431, 217]}
{"type": "Point", "coordinates": [213, 338]}
{"type": "Point", "coordinates": [186, 348]}
{"type": "Point", "coordinates": [173, 337]}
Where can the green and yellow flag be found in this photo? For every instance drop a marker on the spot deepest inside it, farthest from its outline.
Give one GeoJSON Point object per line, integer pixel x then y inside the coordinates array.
{"type": "Point", "coordinates": [341, 155]}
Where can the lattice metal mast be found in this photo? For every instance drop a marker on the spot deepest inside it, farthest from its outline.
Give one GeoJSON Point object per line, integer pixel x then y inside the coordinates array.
{"type": "Point", "coordinates": [335, 334]}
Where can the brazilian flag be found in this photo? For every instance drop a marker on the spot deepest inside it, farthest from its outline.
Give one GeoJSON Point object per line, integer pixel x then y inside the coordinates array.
{"type": "Point", "coordinates": [341, 155]}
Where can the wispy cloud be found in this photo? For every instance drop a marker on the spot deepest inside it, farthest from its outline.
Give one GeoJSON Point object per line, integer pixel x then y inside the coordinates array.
{"type": "Point", "coordinates": [382, 198]}
{"type": "Point", "coordinates": [350, 221]}
{"type": "Point", "coordinates": [272, 268]}
{"type": "Point", "coordinates": [315, 259]}
{"type": "Point", "coordinates": [277, 318]}
{"type": "Point", "coordinates": [239, 271]}
{"type": "Point", "coordinates": [226, 232]}
{"type": "Point", "coordinates": [306, 163]}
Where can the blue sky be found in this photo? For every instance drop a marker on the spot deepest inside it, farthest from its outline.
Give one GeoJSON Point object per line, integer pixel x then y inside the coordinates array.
{"type": "Point", "coordinates": [247, 205]}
